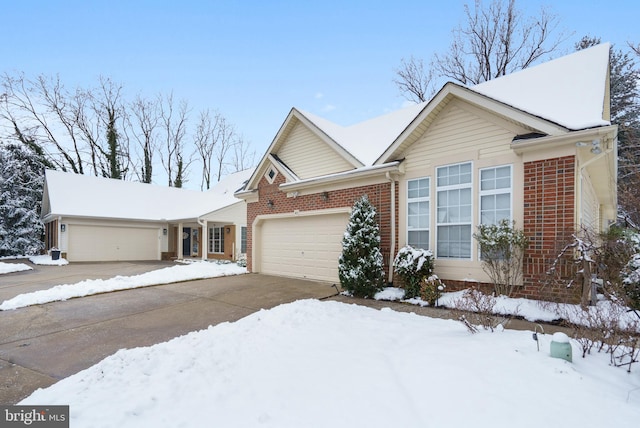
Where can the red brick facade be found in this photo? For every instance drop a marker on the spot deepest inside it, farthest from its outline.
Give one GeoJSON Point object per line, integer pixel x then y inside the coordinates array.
{"type": "Point", "coordinates": [549, 217]}
{"type": "Point", "coordinates": [379, 195]}
{"type": "Point", "coordinates": [549, 206]}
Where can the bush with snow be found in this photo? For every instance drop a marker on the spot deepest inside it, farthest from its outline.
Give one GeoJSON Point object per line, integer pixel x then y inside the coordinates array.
{"type": "Point", "coordinates": [502, 249]}
{"type": "Point", "coordinates": [413, 265]}
{"type": "Point", "coordinates": [360, 266]}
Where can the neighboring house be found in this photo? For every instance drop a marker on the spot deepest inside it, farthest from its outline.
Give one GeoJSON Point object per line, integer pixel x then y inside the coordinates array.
{"type": "Point", "coordinates": [535, 146]}
{"type": "Point", "coordinates": [100, 219]}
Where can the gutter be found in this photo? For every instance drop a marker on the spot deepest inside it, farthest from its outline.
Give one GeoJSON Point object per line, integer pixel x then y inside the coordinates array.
{"type": "Point", "coordinates": [522, 146]}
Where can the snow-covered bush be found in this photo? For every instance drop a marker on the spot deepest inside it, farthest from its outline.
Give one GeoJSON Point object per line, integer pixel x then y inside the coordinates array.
{"type": "Point", "coordinates": [413, 265]}
{"type": "Point", "coordinates": [360, 266]}
{"type": "Point", "coordinates": [502, 249]}
{"type": "Point", "coordinates": [242, 261]}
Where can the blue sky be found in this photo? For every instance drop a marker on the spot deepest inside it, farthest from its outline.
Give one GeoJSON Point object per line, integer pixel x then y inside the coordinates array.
{"type": "Point", "coordinates": [254, 60]}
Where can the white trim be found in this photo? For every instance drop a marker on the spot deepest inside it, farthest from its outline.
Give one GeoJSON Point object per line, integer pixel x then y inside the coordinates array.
{"type": "Point", "coordinates": [500, 191]}
{"type": "Point", "coordinates": [461, 186]}
{"type": "Point", "coordinates": [415, 200]}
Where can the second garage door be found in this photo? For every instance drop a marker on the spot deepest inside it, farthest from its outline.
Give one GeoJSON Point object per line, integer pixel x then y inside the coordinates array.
{"type": "Point", "coordinates": [100, 243]}
{"type": "Point", "coordinates": [302, 247]}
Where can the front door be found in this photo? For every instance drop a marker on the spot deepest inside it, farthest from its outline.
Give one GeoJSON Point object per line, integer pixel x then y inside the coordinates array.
{"type": "Point", "coordinates": [230, 242]}
{"type": "Point", "coordinates": [186, 241]}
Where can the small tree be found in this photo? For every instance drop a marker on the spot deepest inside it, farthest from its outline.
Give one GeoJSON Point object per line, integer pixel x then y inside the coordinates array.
{"type": "Point", "coordinates": [360, 266]}
{"type": "Point", "coordinates": [502, 251]}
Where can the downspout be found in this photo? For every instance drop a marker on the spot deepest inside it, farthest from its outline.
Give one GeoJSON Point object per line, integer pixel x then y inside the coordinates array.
{"type": "Point", "coordinates": [393, 226]}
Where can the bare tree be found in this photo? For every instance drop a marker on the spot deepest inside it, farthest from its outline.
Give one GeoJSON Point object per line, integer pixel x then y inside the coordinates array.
{"type": "Point", "coordinates": [414, 81]}
{"type": "Point", "coordinates": [243, 156]}
{"type": "Point", "coordinates": [143, 122]}
{"type": "Point", "coordinates": [204, 142]}
{"type": "Point", "coordinates": [34, 108]}
{"type": "Point", "coordinates": [174, 126]}
{"type": "Point", "coordinates": [224, 138]}
{"type": "Point", "coordinates": [496, 40]}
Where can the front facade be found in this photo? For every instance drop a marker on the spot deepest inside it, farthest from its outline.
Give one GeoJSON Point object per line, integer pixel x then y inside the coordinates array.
{"type": "Point", "coordinates": [434, 172]}
{"type": "Point", "coordinates": [98, 219]}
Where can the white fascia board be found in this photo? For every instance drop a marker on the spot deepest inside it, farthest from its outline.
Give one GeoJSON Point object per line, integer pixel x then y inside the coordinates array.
{"type": "Point", "coordinates": [391, 167]}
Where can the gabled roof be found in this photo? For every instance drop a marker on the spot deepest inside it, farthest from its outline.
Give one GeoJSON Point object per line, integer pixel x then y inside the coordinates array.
{"type": "Point", "coordinates": [68, 194]}
{"type": "Point", "coordinates": [565, 94]}
{"type": "Point", "coordinates": [367, 140]}
{"type": "Point", "coordinates": [569, 91]}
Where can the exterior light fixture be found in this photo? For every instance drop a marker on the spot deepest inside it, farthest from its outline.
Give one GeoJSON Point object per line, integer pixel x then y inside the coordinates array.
{"type": "Point", "coordinates": [228, 230]}
{"type": "Point", "coordinates": [325, 196]}
{"type": "Point", "coordinates": [595, 147]}
{"type": "Point", "coordinates": [270, 204]}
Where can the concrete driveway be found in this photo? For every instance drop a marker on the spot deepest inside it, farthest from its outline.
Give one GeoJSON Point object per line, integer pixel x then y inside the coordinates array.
{"type": "Point", "coordinates": [40, 345]}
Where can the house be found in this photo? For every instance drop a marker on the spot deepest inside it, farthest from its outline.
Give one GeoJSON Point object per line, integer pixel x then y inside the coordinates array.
{"type": "Point", "coordinates": [535, 146]}
{"type": "Point", "coordinates": [99, 219]}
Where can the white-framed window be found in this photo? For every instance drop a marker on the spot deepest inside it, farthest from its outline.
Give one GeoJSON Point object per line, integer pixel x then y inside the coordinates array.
{"type": "Point", "coordinates": [271, 174]}
{"type": "Point", "coordinates": [495, 194]}
{"type": "Point", "coordinates": [243, 239]}
{"type": "Point", "coordinates": [418, 217]}
{"type": "Point", "coordinates": [454, 211]}
{"type": "Point", "coordinates": [216, 240]}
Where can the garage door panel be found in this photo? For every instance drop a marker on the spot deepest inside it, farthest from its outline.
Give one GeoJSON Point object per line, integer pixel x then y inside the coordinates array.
{"type": "Point", "coordinates": [303, 247]}
{"type": "Point", "coordinates": [103, 243]}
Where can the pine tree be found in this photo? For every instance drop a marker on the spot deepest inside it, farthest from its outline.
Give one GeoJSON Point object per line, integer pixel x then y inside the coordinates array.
{"type": "Point", "coordinates": [21, 184]}
{"type": "Point", "coordinates": [360, 266]}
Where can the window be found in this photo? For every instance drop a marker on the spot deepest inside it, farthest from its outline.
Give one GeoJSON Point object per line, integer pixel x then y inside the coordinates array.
{"type": "Point", "coordinates": [453, 222]}
{"type": "Point", "coordinates": [418, 213]}
{"type": "Point", "coordinates": [495, 194]}
{"type": "Point", "coordinates": [243, 239]}
{"type": "Point", "coordinates": [216, 239]}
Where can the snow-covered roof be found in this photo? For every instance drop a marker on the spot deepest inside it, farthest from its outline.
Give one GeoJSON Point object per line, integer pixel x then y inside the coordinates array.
{"type": "Point", "coordinates": [88, 196]}
{"type": "Point", "coordinates": [569, 91]}
{"type": "Point", "coordinates": [367, 140]}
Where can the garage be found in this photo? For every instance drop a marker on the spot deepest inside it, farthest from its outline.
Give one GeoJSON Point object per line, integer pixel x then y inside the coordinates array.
{"type": "Point", "coordinates": [302, 246]}
{"type": "Point", "coordinates": [104, 243]}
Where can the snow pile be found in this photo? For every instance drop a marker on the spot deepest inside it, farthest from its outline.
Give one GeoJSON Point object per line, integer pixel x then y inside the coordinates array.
{"type": "Point", "coordinates": [321, 364]}
{"type": "Point", "coordinates": [46, 260]}
{"type": "Point", "coordinates": [13, 267]}
{"type": "Point", "coordinates": [529, 309]}
{"type": "Point", "coordinates": [192, 271]}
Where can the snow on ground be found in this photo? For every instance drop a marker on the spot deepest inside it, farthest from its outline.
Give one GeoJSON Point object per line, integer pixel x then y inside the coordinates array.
{"type": "Point", "coordinates": [187, 272]}
{"type": "Point", "coordinates": [13, 267]}
{"type": "Point", "coordinates": [321, 364]}
{"type": "Point", "coordinates": [46, 260]}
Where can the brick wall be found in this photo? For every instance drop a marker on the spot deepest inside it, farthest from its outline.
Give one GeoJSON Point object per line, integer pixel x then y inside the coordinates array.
{"type": "Point", "coordinates": [379, 195]}
{"type": "Point", "coordinates": [549, 207]}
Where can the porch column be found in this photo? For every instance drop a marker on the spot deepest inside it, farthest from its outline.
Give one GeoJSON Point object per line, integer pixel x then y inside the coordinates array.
{"type": "Point", "coordinates": [179, 254]}
{"type": "Point", "coordinates": [205, 239]}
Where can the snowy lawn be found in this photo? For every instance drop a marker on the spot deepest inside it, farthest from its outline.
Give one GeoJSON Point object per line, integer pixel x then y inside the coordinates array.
{"type": "Point", "coordinates": [187, 272]}
{"type": "Point", "coordinates": [329, 364]}
{"type": "Point", "coordinates": [13, 267]}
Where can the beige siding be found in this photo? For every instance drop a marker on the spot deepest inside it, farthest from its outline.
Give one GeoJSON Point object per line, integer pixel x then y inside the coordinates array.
{"type": "Point", "coordinates": [590, 209]}
{"type": "Point", "coordinates": [308, 156]}
{"type": "Point", "coordinates": [461, 133]}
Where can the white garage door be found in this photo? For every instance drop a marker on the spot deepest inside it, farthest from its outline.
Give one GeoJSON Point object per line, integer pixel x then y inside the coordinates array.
{"type": "Point", "coordinates": [100, 243]}
{"type": "Point", "coordinates": [303, 247]}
